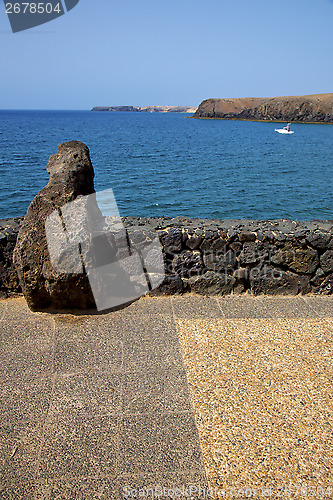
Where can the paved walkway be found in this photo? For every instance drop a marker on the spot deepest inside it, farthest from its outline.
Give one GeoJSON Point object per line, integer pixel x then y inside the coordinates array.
{"type": "Point", "coordinates": [186, 392]}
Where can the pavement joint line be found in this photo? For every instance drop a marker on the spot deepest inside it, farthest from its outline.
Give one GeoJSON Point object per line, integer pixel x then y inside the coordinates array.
{"type": "Point", "coordinates": [311, 307]}
{"type": "Point", "coordinates": [117, 468]}
{"type": "Point", "coordinates": [319, 317]}
{"type": "Point", "coordinates": [71, 374]}
{"type": "Point", "coordinates": [124, 475]}
{"type": "Point", "coordinates": [148, 413]}
{"type": "Point", "coordinates": [261, 302]}
{"type": "Point", "coordinates": [173, 473]}
{"type": "Point", "coordinates": [220, 308]}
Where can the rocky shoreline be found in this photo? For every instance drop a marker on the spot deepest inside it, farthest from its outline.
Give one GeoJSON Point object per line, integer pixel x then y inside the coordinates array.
{"type": "Point", "coordinates": [220, 257]}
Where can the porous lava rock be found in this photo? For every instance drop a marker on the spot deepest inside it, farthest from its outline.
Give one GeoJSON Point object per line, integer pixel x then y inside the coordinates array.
{"type": "Point", "coordinates": [71, 175]}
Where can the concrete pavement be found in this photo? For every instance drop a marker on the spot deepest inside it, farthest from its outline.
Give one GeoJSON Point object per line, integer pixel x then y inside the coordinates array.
{"type": "Point", "coordinates": [183, 392]}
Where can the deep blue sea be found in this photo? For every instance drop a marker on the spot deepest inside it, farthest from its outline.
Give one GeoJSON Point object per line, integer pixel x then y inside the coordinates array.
{"type": "Point", "coordinates": [169, 164]}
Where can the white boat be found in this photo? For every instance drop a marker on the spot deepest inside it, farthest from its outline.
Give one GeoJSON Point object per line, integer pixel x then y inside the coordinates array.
{"type": "Point", "coordinates": [284, 130]}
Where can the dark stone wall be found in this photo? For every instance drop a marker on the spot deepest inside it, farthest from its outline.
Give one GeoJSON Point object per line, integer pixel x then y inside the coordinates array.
{"type": "Point", "coordinates": [217, 257]}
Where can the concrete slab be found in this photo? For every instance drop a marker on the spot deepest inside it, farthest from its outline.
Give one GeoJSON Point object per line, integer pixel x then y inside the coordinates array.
{"type": "Point", "coordinates": [262, 392]}
{"type": "Point", "coordinates": [101, 325]}
{"type": "Point", "coordinates": [151, 305]}
{"type": "Point", "coordinates": [19, 446]}
{"type": "Point", "coordinates": [155, 392]}
{"type": "Point", "coordinates": [26, 348]}
{"type": "Point", "coordinates": [195, 306]}
{"type": "Point", "coordinates": [283, 307]}
{"type": "Point", "coordinates": [18, 490]}
{"type": "Point", "coordinates": [159, 443]}
{"type": "Point", "coordinates": [243, 307]}
{"type": "Point", "coordinates": [17, 308]}
{"type": "Point", "coordinates": [167, 486]}
{"type": "Point", "coordinates": [94, 392]}
{"type": "Point", "coordinates": [25, 401]}
{"type": "Point", "coordinates": [78, 443]}
{"type": "Point", "coordinates": [78, 489]}
{"type": "Point", "coordinates": [323, 306]}
{"type": "Point", "coordinates": [151, 344]}
{"type": "Point", "coordinates": [80, 346]}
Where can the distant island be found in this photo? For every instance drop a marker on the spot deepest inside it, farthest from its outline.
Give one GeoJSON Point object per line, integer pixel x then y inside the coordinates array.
{"type": "Point", "coordinates": [147, 109]}
{"type": "Point", "coordinates": [315, 108]}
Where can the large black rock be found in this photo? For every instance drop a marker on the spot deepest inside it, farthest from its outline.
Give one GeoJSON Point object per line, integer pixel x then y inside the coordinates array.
{"type": "Point", "coordinates": [9, 282]}
{"type": "Point", "coordinates": [71, 175]}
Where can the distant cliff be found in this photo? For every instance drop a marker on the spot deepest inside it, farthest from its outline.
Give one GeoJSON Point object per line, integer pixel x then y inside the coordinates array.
{"type": "Point", "coordinates": [147, 109]}
{"type": "Point", "coordinates": [308, 108]}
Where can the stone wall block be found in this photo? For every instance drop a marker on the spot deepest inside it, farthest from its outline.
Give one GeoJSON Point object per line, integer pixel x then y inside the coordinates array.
{"type": "Point", "coordinates": [326, 261]}
{"type": "Point", "coordinates": [247, 236]}
{"type": "Point", "coordinates": [220, 261]}
{"type": "Point", "coordinates": [211, 283]}
{"type": "Point", "coordinates": [272, 281]}
{"type": "Point", "coordinates": [172, 240]}
{"type": "Point", "coordinates": [326, 288]}
{"type": "Point", "coordinates": [296, 258]}
{"type": "Point", "coordinates": [194, 242]}
{"type": "Point", "coordinates": [318, 240]}
{"type": "Point", "coordinates": [255, 252]}
{"type": "Point", "coordinates": [172, 285]}
{"type": "Point", "coordinates": [187, 264]}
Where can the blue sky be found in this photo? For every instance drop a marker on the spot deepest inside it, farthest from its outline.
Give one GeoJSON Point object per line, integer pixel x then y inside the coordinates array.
{"type": "Point", "coordinates": [175, 52]}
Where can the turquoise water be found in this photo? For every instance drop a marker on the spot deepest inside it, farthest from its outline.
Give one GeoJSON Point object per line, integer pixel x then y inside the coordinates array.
{"type": "Point", "coordinates": [168, 164]}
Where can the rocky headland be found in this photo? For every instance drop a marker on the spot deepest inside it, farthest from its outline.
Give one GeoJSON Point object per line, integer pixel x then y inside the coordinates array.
{"type": "Point", "coordinates": [147, 109]}
{"type": "Point", "coordinates": [316, 108]}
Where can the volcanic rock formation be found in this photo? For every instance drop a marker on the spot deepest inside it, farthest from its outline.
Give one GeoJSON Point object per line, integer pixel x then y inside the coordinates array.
{"type": "Point", "coordinates": [309, 108]}
{"type": "Point", "coordinates": [71, 175]}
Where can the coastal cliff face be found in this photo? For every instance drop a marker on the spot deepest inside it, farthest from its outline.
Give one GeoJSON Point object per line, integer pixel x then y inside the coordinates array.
{"type": "Point", "coordinates": [310, 108]}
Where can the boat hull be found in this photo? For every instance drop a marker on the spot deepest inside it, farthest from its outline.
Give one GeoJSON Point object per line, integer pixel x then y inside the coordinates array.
{"type": "Point", "coordinates": [283, 131]}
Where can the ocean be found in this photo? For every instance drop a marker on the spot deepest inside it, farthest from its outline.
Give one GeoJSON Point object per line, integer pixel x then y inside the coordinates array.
{"type": "Point", "coordinates": [170, 164]}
